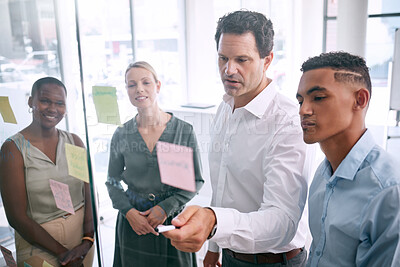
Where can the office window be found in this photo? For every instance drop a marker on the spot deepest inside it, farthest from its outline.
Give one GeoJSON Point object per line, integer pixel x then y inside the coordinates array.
{"type": "Point", "coordinates": [384, 18]}
{"type": "Point", "coordinates": [28, 48]}
{"type": "Point", "coordinates": [332, 7]}
{"type": "Point", "coordinates": [380, 47]}
{"type": "Point", "coordinates": [380, 35]}
{"type": "Point", "coordinates": [383, 7]}
{"type": "Point", "coordinates": [331, 42]}
{"type": "Point", "coordinates": [160, 40]}
{"type": "Point", "coordinates": [106, 44]}
{"type": "Point", "coordinates": [28, 51]}
{"type": "Point", "coordinates": [114, 34]}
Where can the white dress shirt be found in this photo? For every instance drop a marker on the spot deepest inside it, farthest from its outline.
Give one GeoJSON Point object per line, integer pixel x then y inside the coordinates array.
{"type": "Point", "coordinates": [258, 175]}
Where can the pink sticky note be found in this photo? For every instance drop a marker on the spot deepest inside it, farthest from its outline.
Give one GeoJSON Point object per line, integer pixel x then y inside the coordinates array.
{"type": "Point", "coordinates": [8, 257]}
{"type": "Point", "coordinates": [62, 196]}
{"type": "Point", "coordinates": [176, 165]}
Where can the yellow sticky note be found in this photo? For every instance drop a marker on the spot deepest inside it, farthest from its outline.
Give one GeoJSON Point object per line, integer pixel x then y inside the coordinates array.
{"type": "Point", "coordinates": [33, 261]}
{"type": "Point", "coordinates": [77, 162]}
{"type": "Point", "coordinates": [105, 101]}
{"type": "Point", "coordinates": [46, 264]}
{"type": "Point", "coordinates": [6, 111]}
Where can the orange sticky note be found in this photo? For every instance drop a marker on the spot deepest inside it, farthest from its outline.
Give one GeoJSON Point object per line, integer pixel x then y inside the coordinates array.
{"type": "Point", "coordinates": [176, 165]}
{"type": "Point", "coordinates": [8, 257]}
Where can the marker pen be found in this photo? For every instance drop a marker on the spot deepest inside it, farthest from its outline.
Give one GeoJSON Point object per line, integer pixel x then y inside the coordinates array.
{"type": "Point", "coordinates": [164, 228]}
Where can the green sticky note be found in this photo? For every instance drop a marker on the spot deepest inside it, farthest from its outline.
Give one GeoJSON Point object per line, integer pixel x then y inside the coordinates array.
{"type": "Point", "coordinates": [26, 265]}
{"type": "Point", "coordinates": [77, 162]}
{"type": "Point", "coordinates": [105, 101]}
{"type": "Point", "coordinates": [6, 111]}
{"type": "Point", "coordinates": [46, 264]}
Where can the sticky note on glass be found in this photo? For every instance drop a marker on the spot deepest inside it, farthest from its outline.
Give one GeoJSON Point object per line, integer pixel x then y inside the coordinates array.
{"type": "Point", "coordinates": [46, 264]}
{"type": "Point", "coordinates": [105, 102]}
{"type": "Point", "coordinates": [176, 165]}
{"type": "Point", "coordinates": [8, 257]}
{"type": "Point", "coordinates": [34, 261]}
{"type": "Point", "coordinates": [6, 110]}
{"type": "Point", "coordinates": [77, 162]}
{"type": "Point", "coordinates": [62, 196]}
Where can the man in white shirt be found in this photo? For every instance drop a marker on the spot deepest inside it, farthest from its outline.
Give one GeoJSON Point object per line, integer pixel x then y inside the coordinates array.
{"type": "Point", "coordinates": [257, 160]}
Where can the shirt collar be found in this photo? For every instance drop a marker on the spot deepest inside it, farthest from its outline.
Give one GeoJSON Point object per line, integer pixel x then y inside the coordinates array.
{"type": "Point", "coordinates": [258, 105]}
{"type": "Point", "coordinates": [353, 160]}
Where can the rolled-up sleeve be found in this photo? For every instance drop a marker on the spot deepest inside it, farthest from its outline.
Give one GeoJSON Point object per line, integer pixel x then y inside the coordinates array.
{"type": "Point", "coordinates": [275, 223]}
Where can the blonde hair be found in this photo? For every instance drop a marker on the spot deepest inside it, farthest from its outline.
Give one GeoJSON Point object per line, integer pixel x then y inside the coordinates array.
{"type": "Point", "coordinates": [143, 65]}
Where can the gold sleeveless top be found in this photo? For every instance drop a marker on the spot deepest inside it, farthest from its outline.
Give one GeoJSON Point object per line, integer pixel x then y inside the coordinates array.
{"type": "Point", "coordinates": [41, 206]}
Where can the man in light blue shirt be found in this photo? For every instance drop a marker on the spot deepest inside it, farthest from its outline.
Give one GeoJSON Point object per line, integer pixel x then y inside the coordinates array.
{"type": "Point", "coordinates": [354, 201]}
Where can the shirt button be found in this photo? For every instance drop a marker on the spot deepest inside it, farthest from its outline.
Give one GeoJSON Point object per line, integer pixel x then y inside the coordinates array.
{"type": "Point", "coordinates": [318, 253]}
{"type": "Point", "coordinates": [323, 219]}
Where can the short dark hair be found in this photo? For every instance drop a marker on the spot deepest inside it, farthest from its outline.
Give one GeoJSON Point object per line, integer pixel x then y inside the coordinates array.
{"type": "Point", "coordinates": [356, 67]}
{"type": "Point", "coordinates": [243, 21]}
{"type": "Point", "coordinates": [46, 80]}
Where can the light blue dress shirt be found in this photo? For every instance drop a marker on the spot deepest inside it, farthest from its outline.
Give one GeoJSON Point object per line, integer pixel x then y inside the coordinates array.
{"type": "Point", "coordinates": [355, 212]}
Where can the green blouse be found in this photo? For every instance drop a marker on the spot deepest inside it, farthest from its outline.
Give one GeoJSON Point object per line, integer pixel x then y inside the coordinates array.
{"type": "Point", "coordinates": [132, 163]}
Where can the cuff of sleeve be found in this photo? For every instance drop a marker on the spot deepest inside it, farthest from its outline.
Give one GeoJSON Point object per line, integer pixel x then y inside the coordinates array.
{"type": "Point", "coordinates": [213, 247]}
{"type": "Point", "coordinates": [124, 211]}
{"type": "Point", "coordinates": [168, 207]}
{"type": "Point", "coordinates": [225, 221]}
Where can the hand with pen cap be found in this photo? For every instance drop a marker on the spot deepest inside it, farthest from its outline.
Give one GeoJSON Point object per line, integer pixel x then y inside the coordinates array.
{"type": "Point", "coordinates": [195, 225]}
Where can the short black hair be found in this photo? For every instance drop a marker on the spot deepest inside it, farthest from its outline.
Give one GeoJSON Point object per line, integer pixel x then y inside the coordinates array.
{"type": "Point", "coordinates": [243, 21]}
{"type": "Point", "coordinates": [46, 80]}
{"type": "Point", "coordinates": [344, 61]}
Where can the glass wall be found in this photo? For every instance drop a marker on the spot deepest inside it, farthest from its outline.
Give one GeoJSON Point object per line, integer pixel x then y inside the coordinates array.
{"type": "Point", "coordinates": [160, 40]}
{"type": "Point", "coordinates": [28, 51]}
{"type": "Point", "coordinates": [106, 47]}
{"type": "Point", "coordinates": [112, 35]}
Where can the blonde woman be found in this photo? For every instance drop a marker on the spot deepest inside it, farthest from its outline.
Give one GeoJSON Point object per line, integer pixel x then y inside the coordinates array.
{"type": "Point", "coordinates": [133, 160]}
